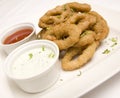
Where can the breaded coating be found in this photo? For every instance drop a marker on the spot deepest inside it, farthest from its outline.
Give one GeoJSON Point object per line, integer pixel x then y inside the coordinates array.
{"type": "Point", "coordinates": [76, 29]}
{"type": "Point", "coordinates": [71, 64]}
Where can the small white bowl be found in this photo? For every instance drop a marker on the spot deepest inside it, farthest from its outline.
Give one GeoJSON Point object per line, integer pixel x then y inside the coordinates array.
{"type": "Point", "coordinates": [35, 82]}
{"type": "Point", "coordinates": [10, 47]}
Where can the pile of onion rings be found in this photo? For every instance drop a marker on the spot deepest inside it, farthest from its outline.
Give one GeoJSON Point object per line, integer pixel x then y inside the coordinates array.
{"type": "Point", "coordinates": [76, 30]}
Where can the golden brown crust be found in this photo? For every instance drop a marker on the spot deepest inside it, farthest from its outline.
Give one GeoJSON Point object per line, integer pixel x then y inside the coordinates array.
{"type": "Point", "coordinates": [62, 35]}
{"type": "Point", "coordinates": [68, 64]}
{"type": "Point", "coordinates": [75, 29]}
{"type": "Point", "coordinates": [88, 37]}
{"type": "Point", "coordinates": [101, 28]}
{"type": "Point", "coordinates": [61, 13]}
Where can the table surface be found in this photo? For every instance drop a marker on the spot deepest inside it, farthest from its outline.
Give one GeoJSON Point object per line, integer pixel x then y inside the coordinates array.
{"type": "Point", "coordinates": [108, 89]}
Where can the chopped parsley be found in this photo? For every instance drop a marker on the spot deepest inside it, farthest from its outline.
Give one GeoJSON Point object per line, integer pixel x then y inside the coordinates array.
{"type": "Point", "coordinates": [58, 16]}
{"type": "Point", "coordinates": [30, 55]}
{"type": "Point", "coordinates": [72, 10]}
{"type": "Point", "coordinates": [114, 44]}
{"type": "Point", "coordinates": [43, 48]}
{"type": "Point", "coordinates": [64, 8]}
{"type": "Point", "coordinates": [51, 55]}
{"type": "Point", "coordinates": [85, 33]}
{"type": "Point", "coordinates": [114, 40]}
{"type": "Point", "coordinates": [106, 51]}
{"type": "Point", "coordinates": [48, 28]}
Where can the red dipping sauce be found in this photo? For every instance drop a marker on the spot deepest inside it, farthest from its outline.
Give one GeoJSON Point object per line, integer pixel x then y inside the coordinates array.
{"type": "Point", "coordinates": [17, 36]}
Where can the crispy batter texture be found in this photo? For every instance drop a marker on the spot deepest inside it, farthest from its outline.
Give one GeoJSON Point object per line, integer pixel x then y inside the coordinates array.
{"type": "Point", "coordinates": [76, 30]}
{"type": "Point", "coordinates": [62, 35]}
{"type": "Point", "coordinates": [68, 63]}
{"type": "Point", "coordinates": [62, 13]}
{"type": "Point", "coordinates": [88, 37]}
{"type": "Point", "coordinates": [82, 20]}
{"type": "Point", "coordinates": [101, 28]}
{"type": "Point", "coordinates": [78, 7]}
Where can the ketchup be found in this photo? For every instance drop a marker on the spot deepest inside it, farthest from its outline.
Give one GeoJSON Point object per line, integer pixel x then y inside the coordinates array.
{"type": "Point", "coordinates": [17, 36]}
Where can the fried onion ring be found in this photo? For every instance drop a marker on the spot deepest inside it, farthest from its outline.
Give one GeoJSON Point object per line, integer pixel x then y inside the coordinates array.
{"type": "Point", "coordinates": [61, 13]}
{"type": "Point", "coordinates": [88, 37]}
{"type": "Point", "coordinates": [101, 27]}
{"type": "Point", "coordinates": [79, 7]}
{"type": "Point", "coordinates": [82, 20]}
{"type": "Point", "coordinates": [62, 35]}
{"type": "Point", "coordinates": [76, 30]}
{"type": "Point", "coordinates": [68, 63]}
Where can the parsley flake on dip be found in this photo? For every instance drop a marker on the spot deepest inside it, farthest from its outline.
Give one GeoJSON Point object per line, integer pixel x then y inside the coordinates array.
{"type": "Point", "coordinates": [33, 65]}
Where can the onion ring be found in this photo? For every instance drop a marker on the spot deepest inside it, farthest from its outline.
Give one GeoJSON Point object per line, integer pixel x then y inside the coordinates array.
{"type": "Point", "coordinates": [82, 20]}
{"type": "Point", "coordinates": [79, 7]}
{"type": "Point", "coordinates": [76, 30]}
{"type": "Point", "coordinates": [68, 63]}
{"type": "Point", "coordinates": [61, 13]}
{"type": "Point", "coordinates": [101, 28]}
{"type": "Point", "coordinates": [62, 35]}
{"type": "Point", "coordinates": [87, 37]}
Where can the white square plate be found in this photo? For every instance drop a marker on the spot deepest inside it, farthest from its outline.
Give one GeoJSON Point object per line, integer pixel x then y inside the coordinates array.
{"type": "Point", "coordinates": [70, 84]}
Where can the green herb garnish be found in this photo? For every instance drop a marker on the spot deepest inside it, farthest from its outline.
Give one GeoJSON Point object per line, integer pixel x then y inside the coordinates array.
{"type": "Point", "coordinates": [30, 55]}
{"type": "Point", "coordinates": [48, 28]}
{"type": "Point", "coordinates": [64, 8]}
{"type": "Point", "coordinates": [72, 10]}
{"type": "Point", "coordinates": [58, 16]}
{"type": "Point", "coordinates": [43, 48]}
{"type": "Point", "coordinates": [114, 40]}
{"type": "Point", "coordinates": [113, 44]}
{"type": "Point", "coordinates": [106, 51]}
{"type": "Point", "coordinates": [85, 33]}
{"type": "Point", "coordinates": [51, 55]}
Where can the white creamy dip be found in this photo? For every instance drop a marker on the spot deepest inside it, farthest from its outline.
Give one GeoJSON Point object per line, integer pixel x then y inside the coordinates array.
{"type": "Point", "coordinates": [33, 62]}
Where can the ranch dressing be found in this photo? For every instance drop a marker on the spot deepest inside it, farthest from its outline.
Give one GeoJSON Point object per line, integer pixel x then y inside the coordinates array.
{"type": "Point", "coordinates": [33, 62]}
